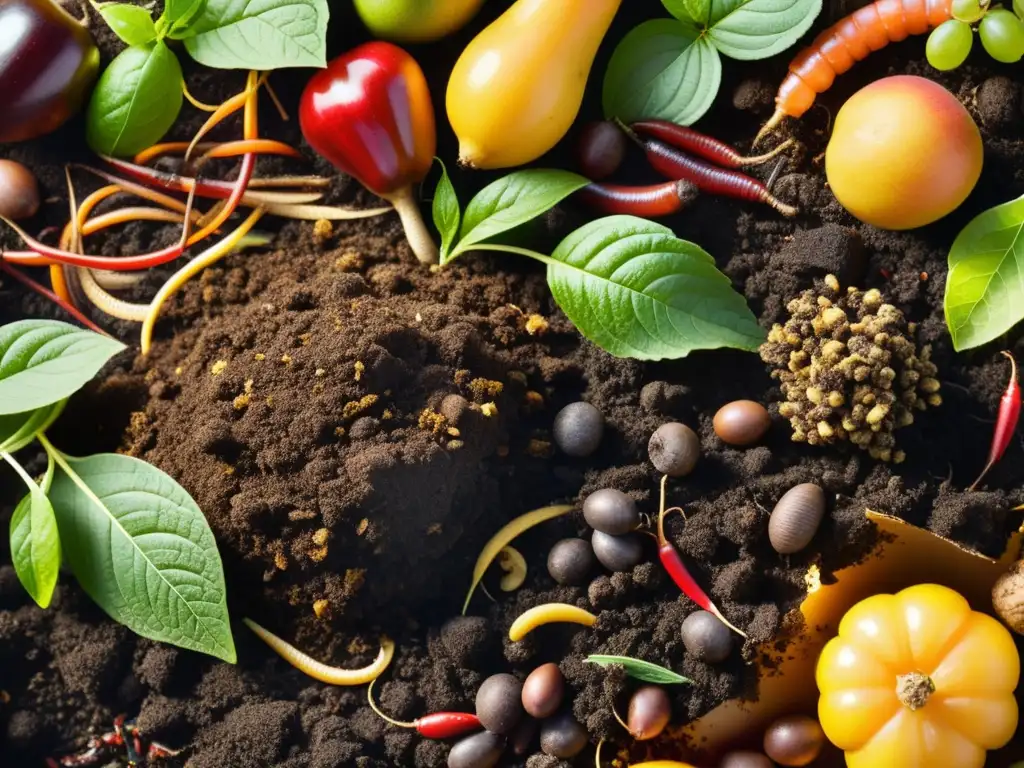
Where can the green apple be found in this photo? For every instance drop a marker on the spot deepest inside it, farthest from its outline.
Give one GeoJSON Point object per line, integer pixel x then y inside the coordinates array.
{"type": "Point", "coordinates": [415, 21]}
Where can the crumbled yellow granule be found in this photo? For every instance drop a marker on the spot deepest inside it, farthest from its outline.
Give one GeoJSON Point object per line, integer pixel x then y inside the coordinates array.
{"type": "Point", "coordinates": [536, 325]}
{"type": "Point", "coordinates": [218, 367]}
{"type": "Point", "coordinates": [320, 607]}
{"type": "Point", "coordinates": [360, 368]}
{"type": "Point", "coordinates": [354, 407]}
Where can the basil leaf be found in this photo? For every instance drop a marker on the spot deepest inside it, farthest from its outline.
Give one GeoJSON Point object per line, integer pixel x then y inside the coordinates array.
{"type": "Point", "coordinates": [446, 212]}
{"type": "Point", "coordinates": [640, 670]}
{"type": "Point", "coordinates": [663, 70]}
{"type": "Point", "coordinates": [133, 24]}
{"type": "Point", "coordinates": [19, 429]}
{"type": "Point", "coordinates": [260, 34]}
{"type": "Point", "coordinates": [757, 29]}
{"type": "Point", "coordinates": [513, 200]}
{"type": "Point", "coordinates": [43, 361]}
{"type": "Point", "coordinates": [35, 542]}
{"type": "Point", "coordinates": [136, 101]}
{"type": "Point", "coordinates": [985, 284]}
{"type": "Point", "coordinates": [634, 289]}
{"type": "Point", "coordinates": [141, 548]}
{"type": "Point", "coordinates": [695, 11]}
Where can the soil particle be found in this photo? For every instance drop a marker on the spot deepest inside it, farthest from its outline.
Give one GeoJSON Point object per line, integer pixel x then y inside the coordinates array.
{"type": "Point", "coordinates": [999, 103]}
{"type": "Point", "coordinates": [755, 96]}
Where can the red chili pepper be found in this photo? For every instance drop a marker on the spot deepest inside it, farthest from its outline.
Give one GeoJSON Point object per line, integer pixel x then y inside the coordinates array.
{"type": "Point", "coordinates": [648, 202]}
{"type": "Point", "coordinates": [673, 563]}
{"type": "Point", "coordinates": [702, 145]}
{"type": "Point", "coordinates": [1006, 421]}
{"type": "Point", "coordinates": [439, 725]}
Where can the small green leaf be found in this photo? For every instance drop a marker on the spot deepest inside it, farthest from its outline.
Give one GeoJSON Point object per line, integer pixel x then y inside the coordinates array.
{"type": "Point", "coordinates": [636, 290]}
{"type": "Point", "coordinates": [694, 11]}
{"type": "Point", "coordinates": [260, 34]}
{"type": "Point", "coordinates": [662, 69]}
{"type": "Point", "coordinates": [640, 670]}
{"type": "Point", "coordinates": [513, 200]}
{"type": "Point", "coordinates": [35, 543]}
{"type": "Point", "coordinates": [19, 429]}
{"type": "Point", "coordinates": [446, 212]}
{"type": "Point", "coordinates": [757, 29]}
{"type": "Point", "coordinates": [133, 24]}
{"type": "Point", "coordinates": [180, 13]}
{"type": "Point", "coordinates": [141, 548]}
{"type": "Point", "coordinates": [136, 101]}
{"type": "Point", "coordinates": [43, 361]}
{"type": "Point", "coordinates": [985, 284]}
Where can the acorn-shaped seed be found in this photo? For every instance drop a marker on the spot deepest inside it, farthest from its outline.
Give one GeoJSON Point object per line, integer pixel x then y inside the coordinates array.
{"type": "Point", "coordinates": [794, 741]}
{"type": "Point", "coordinates": [742, 422]}
{"type": "Point", "coordinates": [796, 518]}
{"type": "Point", "coordinates": [499, 703]}
{"type": "Point", "coordinates": [617, 553]}
{"type": "Point", "coordinates": [562, 736]}
{"type": "Point", "coordinates": [481, 750]}
{"type": "Point", "coordinates": [543, 691]}
{"type": "Point", "coordinates": [674, 449]}
{"type": "Point", "coordinates": [649, 712]}
{"type": "Point", "coordinates": [611, 511]}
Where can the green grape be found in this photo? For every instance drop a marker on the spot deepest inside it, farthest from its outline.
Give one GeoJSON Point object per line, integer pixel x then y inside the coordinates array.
{"type": "Point", "coordinates": [967, 10]}
{"type": "Point", "coordinates": [948, 44]}
{"type": "Point", "coordinates": [1002, 35]}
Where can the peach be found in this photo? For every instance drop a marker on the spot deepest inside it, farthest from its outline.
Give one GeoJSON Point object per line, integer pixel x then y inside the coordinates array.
{"type": "Point", "coordinates": [904, 153]}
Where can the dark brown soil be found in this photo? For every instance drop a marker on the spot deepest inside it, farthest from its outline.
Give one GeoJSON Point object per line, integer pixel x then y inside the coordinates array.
{"type": "Point", "coordinates": [328, 405]}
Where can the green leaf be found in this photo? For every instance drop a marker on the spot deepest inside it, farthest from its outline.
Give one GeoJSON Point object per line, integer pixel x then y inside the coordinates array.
{"type": "Point", "coordinates": [634, 289]}
{"type": "Point", "coordinates": [181, 12]}
{"type": "Point", "coordinates": [513, 200]}
{"type": "Point", "coordinates": [446, 212]}
{"type": "Point", "coordinates": [695, 11]}
{"type": "Point", "coordinates": [141, 548]}
{"type": "Point", "coordinates": [260, 34]}
{"type": "Point", "coordinates": [136, 101]}
{"type": "Point", "coordinates": [640, 670]}
{"type": "Point", "coordinates": [43, 361]}
{"type": "Point", "coordinates": [132, 23]}
{"type": "Point", "coordinates": [985, 284]}
{"type": "Point", "coordinates": [19, 429]}
{"type": "Point", "coordinates": [35, 543]}
{"type": "Point", "coordinates": [757, 29]}
{"type": "Point", "coordinates": [664, 70]}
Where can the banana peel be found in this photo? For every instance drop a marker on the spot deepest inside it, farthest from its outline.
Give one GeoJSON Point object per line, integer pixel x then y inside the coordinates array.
{"type": "Point", "coordinates": [905, 555]}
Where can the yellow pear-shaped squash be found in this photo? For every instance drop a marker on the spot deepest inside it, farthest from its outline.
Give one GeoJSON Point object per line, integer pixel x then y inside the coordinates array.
{"type": "Point", "coordinates": [518, 86]}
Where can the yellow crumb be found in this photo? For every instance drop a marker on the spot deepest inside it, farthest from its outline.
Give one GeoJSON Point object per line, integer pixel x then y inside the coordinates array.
{"type": "Point", "coordinates": [482, 388]}
{"type": "Point", "coordinates": [322, 230]}
{"type": "Point", "coordinates": [320, 607]}
{"type": "Point", "coordinates": [360, 369]}
{"type": "Point", "coordinates": [350, 260]}
{"type": "Point", "coordinates": [536, 325]}
{"type": "Point", "coordinates": [363, 525]}
{"type": "Point", "coordinates": [259, 356]}
{"type": "Point", "coordinates": [242, 401]}
{"type": "Point", "coordinates": [540, 448]}
{"type": "Point", "coordinates": [354, 407]}
{"type": "Point", "coordinates": [319, 372]}
{"type": "Point", "coordinates": [432, 421]}
{"type": "Point", "coordinates": [281, 562]}
{"type": "Point", "coordinates": [489, 409]}
{"type": "Point", "coordinates": [286, 359]}
{"type": "Point", "coordinates": [218, 367]}
{"type": "Point", "coordinates": [320, 536]}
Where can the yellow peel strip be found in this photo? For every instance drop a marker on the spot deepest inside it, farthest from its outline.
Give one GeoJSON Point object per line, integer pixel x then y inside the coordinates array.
{"type": "Point", "coordinates": [549, 613]}
{"type": "Point", "coordinates": [512, 562]}
{"type": "Point", "coordinates": [321, 671]}
{"type": "Point", "coordinates": [317, 212]}
{"type": "Point", "coordinates": [506, 535]}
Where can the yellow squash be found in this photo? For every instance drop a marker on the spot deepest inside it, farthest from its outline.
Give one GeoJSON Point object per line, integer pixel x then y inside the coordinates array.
{"type": "Point", "coordinates": [518, 86]}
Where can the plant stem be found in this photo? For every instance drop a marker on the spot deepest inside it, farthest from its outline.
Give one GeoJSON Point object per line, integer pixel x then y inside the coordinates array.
{"type": "Point", "coordinates": [416, 232]}
{"type": "Point", "coordinates": [25, 476]}
{"type": "Point", "coordinates": [535, 255]}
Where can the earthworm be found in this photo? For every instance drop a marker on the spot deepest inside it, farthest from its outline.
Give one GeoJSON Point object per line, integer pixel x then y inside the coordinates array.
{"type": "Point", "coordinates": [649, 202]}
{"type": "Point", "coordinates": [549, 613]}
{"type": "Point", "coordinates": [702, 145]}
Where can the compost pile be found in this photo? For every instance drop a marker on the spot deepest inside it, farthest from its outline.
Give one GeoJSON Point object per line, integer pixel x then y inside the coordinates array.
{"type": "Point", "coordinates": [356, 426]}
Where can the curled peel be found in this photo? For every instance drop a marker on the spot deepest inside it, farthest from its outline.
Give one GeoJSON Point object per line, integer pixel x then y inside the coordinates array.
{"type": "Point", "coordinates": [549, 613]}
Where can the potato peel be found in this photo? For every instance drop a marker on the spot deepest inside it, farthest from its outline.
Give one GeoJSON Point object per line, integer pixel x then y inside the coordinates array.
{"type": "Point", "coordinates": [512, 562]}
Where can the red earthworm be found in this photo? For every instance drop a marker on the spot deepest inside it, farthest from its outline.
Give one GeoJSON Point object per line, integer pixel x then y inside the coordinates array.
{"type": "Point", "coordinates": [439, 725]}
{"type": "Point", "coordinates": [702, 145]}
{"type": "Point", "coordinates": [1006, 421]}
{"type": "Point", "coordinates": [673, 164]}
{"type": "Point", "coordinates": [649, 202]}
{"type": "Point", "coordinates": [673, 562]}
{"type": "Point", "coordinates": [846, 42]}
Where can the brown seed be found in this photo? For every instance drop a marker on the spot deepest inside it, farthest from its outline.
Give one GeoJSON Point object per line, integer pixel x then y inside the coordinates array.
{"type": "Point", "coordinates": [706, 637]}
{"type": "Point", "coordinates": [742, 422]}
{"type": "Point", "coordinates": [19, 192]}
{"type": "Point", "coordinates": [794, 741]}
{"type": "Point", "coordinates": [562, 736]}
{"type": "Point", "coordinates": [796, 518]}
{"type": "Point", "coordinates": [649, 712]}
{"type": "Point", "coordinates": [481, 750]}
{"type": "Point", "coordinates": [674, 449]}
{"type": "Point", "coordinates": [611, 511]}
{"type": "Point", "coordinates": [499, 703]}
{"type": "Point", "coordinates": [543, 691]}
{"type": "Point", "coordinates": [578, 429]}
{"type": "Point", "coordinates": [1008, 597]}
{"type": "Point", "coordinates": [571, 561]}
{"type": "Point", "coordinates": [601, 149]}
{"type": "Point", "coordinates": [745, 760]}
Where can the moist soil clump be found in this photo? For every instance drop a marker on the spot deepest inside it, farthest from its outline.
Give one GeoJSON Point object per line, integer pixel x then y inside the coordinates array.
{"type": "Point", "coordinates": [355, 426]}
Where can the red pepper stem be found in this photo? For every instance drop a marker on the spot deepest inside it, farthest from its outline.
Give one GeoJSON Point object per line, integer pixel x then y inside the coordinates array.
{"type": "Point", "coordinates": [416, 232]}
{"type": "Point", "coordinates": [381, 715]}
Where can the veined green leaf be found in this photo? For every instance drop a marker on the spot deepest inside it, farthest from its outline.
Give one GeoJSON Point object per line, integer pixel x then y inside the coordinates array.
{"type": "Point", "coordinates": [446, 212]}
{"type": "Point", "coordinates": [141, 548]}
{"type": "Point", "coordinates": [35, 542]}
{"type": "Point", "coordinates": [757, 29]}
{"type": "Point", "coordinates": [694, 11]}
{"type": "Point", "coordinates": [17, 430]}
{"type": "Point", "coordinates": [43, 361]}
{"type": "Point", "coordinates": [132, 23]}
{"type": "Point", "coordinates": [639, 669]}
{"type": "Point", "coordinates": [180, 13]}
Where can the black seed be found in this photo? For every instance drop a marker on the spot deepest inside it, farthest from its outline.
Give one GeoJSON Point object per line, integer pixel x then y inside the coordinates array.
{"type": "Point", "coordinates": [600, 150]}
{"type": "Point", "coordinates": [611, 511]}
{"type": "Point", "coordinates": [706, 637]}
{"type": "Point", "coordinates": [570, 562]}
{"type": "Point", "coordinates": [674, 449]}
{"type": "Point", "coordinates": [617, 553]}
{"type": "Point", "coordinates": [499, 703]}
{"type": "Point", "coordinates": [481, 750]}
{"type": "Point", "coordinates": [562, 736]}
{"type": "Point", "coordinates": [578, 429]}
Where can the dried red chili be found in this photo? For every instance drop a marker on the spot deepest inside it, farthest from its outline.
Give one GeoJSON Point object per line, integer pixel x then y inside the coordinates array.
{"type": "Point", "coordinates": [439, 725]}
{"type": "Point", "coordinates": [1006, 421]}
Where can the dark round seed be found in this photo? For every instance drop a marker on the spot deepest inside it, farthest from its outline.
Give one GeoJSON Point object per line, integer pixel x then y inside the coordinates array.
{"type": "Point", "coordinates": [19, 192]}
{"type": "Point", "coordinates": [578, 429]}
{"type": "Point", "coordinates": [601, 149]}
{"type": "Point", "coordinates": [794, 741]}
{"type": "Point", "coordinates": [742, 422]}
{"type": "Point", "coordinates": [745, 760]}
{"type": "Point", "coordinates": [674, 449]}
{"type": "Point", "coordinates": [570, 562]}
{"type": "Point", "coordinates": [481, 750]}
{"type": "Point", "coordinates": [796, 518]}
{"type": "Point", "coordinates": [617, 553]}
{"type": "Point", "coordinates": [649, 712]}
{"type": "Point", "coordinates": [524, 737]}
{"type": "Point", "coordinates": [562, 736]}
{"type": "Point", "coordinates": [706, 637]}
{"type": "Point", "coordinates": [499, 703]}
{"type": "Point", "coordinates": [611, 511]}
{"type": "Point", "coordinates": [543, 691]}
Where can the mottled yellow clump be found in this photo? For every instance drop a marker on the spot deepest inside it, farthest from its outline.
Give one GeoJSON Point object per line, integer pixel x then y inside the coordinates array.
{"type": "Point", "coordinates": [259, 357]}
{"type": "Point", "coordinates": [323, 229]}
{"type": "Point", "coordinates": [432, 421]}
{"type": "Point", "coordinates": [364, 524]}
{"type": "Point", "coordinates": [280, 561]}
{"type": "Point", "coordinates": [534, 400]}
{"type": "Point", "coordinates": [360, 369]}
{"type": "Point", "coordinates": [489, 409]}
{"type": "Point", "coordinates": [218, 367]}
{"type": "Point", "coordinates": [542, 449]}
{"type": "Point", "coordinates": [485, 388]}
{"type": "Point", "coordinates": [320, 536]}
{"type": "Point", "coordinates": [320, 607]}
{"type": "Point", "coordinates": [354, 407]}
{"type": "Point", "coordinates": [286, 359]}
{"type": "Point", "coordinates": [349, 261]}
{"type": "Point", "coordinates": [536, 325]}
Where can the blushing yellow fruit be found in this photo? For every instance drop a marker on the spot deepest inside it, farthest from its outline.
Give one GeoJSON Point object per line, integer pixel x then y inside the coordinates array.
{"type": "Point", "coordinates": [416, 21]}
{"type": "Point", "coordinates": [918, 680]}
{"type": "Point", "coordinates": [904, 153]}
{"type": "Point", "coordinates": [518, 86]}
